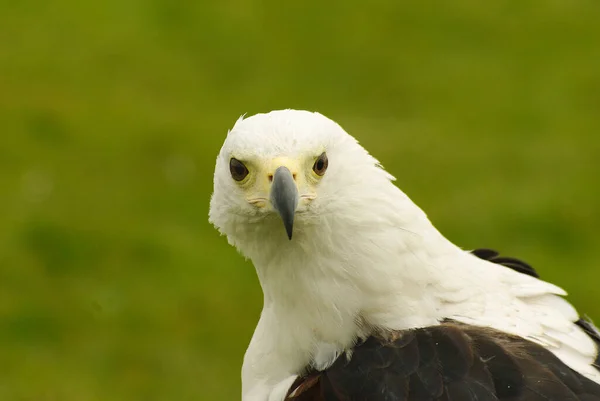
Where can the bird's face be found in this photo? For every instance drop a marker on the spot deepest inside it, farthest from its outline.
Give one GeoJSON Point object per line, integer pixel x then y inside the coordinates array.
{"type": "Point", "coordinates": [274, 164]}
{"type": "Point", "coordinates": [290, 172]}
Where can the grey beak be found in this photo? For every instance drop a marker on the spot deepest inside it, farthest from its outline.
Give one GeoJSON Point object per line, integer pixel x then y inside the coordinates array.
{"type": "Point", "coordinates": [284, 197]}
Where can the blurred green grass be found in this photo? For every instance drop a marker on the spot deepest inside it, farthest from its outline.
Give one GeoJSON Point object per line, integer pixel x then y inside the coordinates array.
{"type": "Point", "coordinates": [113, 286]}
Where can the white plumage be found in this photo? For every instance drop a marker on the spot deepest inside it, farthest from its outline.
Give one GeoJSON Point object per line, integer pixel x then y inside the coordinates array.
{"type": "Point", "coordinates": [363, 257]}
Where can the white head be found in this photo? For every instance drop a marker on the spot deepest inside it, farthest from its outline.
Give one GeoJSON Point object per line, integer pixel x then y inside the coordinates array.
{"type": "Point", "coordinates": [293, 171]}
{"type": "Point", "coordinates": [352, 252]}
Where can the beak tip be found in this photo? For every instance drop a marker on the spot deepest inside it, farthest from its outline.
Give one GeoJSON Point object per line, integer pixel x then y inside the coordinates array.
{"type": "Point", "coordinates": [289, 228]}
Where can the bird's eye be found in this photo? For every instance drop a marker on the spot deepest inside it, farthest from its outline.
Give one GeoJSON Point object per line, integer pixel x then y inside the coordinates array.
{"type": "Point", "coordinates": [237, 169]}
{"type": "Point", "coordinates": [321, 164]}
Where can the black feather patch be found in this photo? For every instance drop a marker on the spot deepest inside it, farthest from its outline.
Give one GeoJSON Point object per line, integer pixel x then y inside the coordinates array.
{"type": "Point", "coordinates": [515, 264]}
{"type": "Point", "coordinates": [593, 332]}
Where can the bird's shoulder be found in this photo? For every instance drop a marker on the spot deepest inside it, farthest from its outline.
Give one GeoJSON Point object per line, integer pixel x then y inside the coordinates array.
{"type": "Point", "coordinates": [520, 266]}
{"type": "Point", "coordinates": [451, 361]}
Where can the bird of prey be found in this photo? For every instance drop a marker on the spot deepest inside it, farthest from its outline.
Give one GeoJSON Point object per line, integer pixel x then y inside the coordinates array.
{"type": "Point", "coordinates": [364, 299]}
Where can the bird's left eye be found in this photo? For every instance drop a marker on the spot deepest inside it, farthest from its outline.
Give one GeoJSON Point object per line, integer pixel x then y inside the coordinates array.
{"type": "Point", "coordinates": [237, 169]}
{"type": "Point", "coordinates": [321, 164]}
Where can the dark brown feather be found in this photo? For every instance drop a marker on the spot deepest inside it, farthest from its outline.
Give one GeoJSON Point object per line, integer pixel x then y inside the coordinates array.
{"type": "Point", "coordinates": [449, 362]}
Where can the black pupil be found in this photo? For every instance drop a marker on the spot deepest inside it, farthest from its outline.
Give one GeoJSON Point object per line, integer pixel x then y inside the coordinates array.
{"type": "Point", "coordinates": [320, 164]}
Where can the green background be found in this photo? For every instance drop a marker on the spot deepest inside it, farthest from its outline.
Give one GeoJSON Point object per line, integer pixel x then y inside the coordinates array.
{"type": "Point", "coordinates": [113, 285]}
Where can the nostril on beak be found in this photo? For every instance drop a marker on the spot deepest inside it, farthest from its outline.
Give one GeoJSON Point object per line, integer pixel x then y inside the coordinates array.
{"type": "Point", "coordinates": [270, 177]}
{"type": "Point", "coordinates": [294, 176]}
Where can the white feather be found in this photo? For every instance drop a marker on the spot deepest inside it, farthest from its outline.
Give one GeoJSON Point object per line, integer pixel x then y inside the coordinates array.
{"type": "Point", "coordinates": [363, 256]}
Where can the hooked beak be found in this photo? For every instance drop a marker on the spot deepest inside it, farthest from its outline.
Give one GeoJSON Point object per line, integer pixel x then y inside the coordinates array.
{"type": "Point", "coordinates": [284, 197]}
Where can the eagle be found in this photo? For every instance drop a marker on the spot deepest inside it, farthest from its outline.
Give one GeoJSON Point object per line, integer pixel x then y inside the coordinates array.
{"type": "Point", "coordinates": [364, 299]}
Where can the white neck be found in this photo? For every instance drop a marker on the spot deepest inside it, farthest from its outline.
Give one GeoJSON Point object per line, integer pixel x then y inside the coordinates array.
{"type": "Point", "coordinates": [345, 275]}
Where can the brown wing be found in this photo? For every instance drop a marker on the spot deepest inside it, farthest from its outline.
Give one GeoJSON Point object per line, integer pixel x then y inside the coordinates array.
{"type": "Point", "coordinates": [450, 362]}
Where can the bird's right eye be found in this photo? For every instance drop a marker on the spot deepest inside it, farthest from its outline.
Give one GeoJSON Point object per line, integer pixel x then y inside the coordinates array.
{"type": "Point", "coordinates": [238, 170]}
